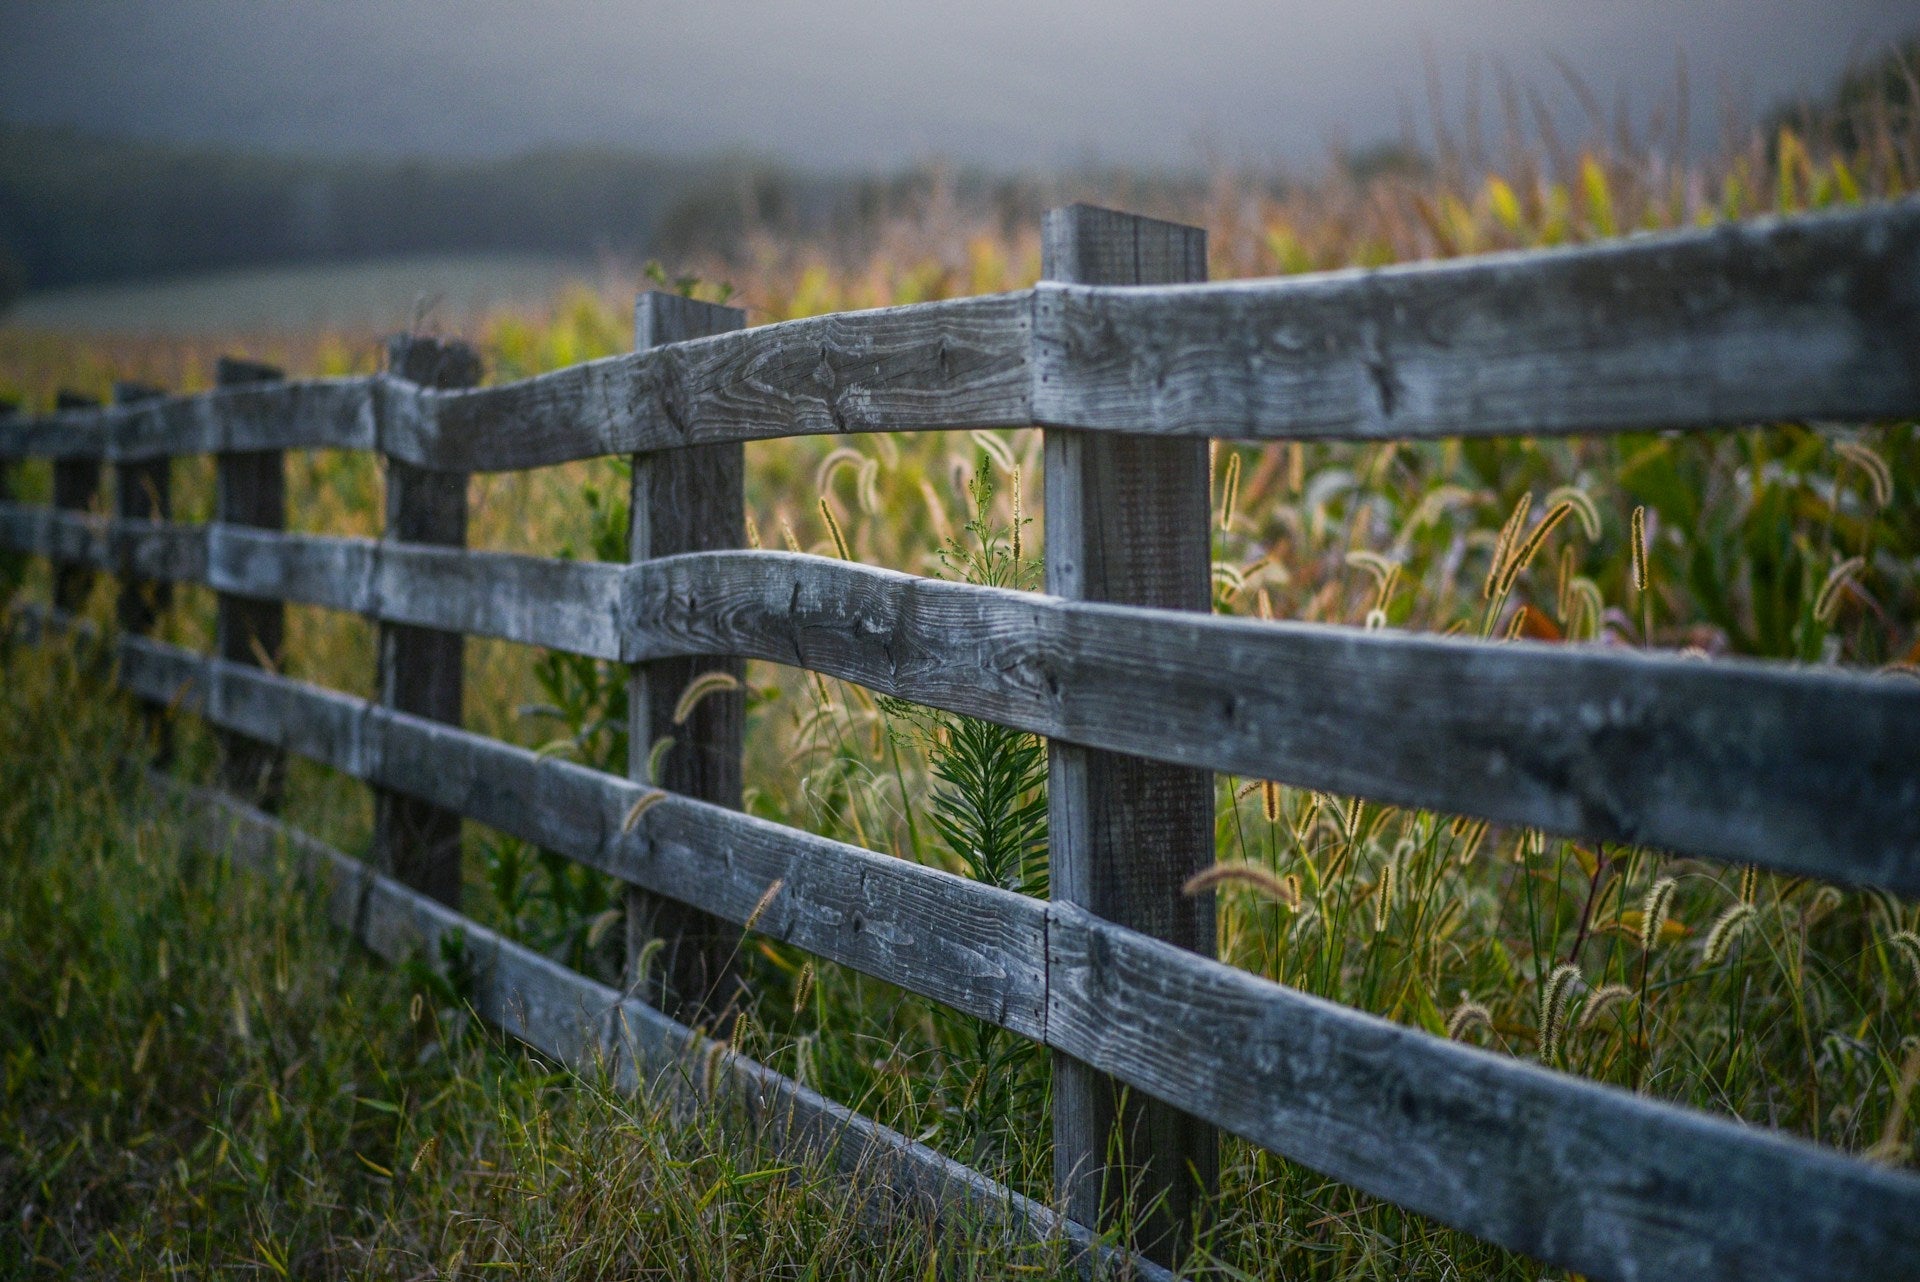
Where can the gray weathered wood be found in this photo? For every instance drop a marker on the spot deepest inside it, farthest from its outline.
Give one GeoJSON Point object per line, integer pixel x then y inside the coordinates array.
{"type": "Point", "coordinates": [969, 946]}
{"type": "Point", "coordinates": [421, 669]}
{"type": "Point", "coordinates": [1127, 522]}
{"type": "Point", "coordinates": [250, 490]}
{"type": "Point", "coordinates": [1577, 1174]}
{"type": "Point", "coordinates": [591, 1027]}
{"type": "Point", "coordinates": [1802, 318]}
{"type": "Point", "coordinates": [1567, 1171]}
{"type": "Point", "coordinates": [1803, 770]}
{"type": "Point", "coordinates": [143, 491]}
{"type": "Point", "coordinates": [76, 486]}
{"type": "Point", "coordinates": [1810, 317]}
{"type": "Point", "coordinates": [332, 413]}
{"type": "Point", "coordinates": [930, 366]}
{"type": "Point", "coordinates": [685, 500]}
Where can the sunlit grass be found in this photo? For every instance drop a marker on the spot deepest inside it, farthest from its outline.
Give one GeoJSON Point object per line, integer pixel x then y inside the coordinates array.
{"type": "Point", "coordinates": [1757, 996]}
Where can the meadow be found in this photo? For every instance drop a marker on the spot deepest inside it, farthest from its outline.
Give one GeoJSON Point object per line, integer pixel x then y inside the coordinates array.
{"type": "Point", "coordinates": [199, 1077]}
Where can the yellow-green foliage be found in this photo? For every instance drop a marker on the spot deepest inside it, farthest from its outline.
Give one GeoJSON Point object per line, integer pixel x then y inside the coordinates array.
{"type": "Point", "coordinates": [1790, 541]}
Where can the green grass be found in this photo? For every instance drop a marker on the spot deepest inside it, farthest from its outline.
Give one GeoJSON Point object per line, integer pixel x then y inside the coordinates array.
{"type": "Point", "coordinates": [1766, 998]}
{"type": "Point", "coordinates": [200, 1078]}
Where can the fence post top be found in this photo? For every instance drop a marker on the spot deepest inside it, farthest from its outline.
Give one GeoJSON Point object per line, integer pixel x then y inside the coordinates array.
{"type": "Point", "coordinates": [129, 391]}
{"type": "Point", "coordinates": [433, 362]}
{"type": "Point", "coordinates": [660, 316]}
{"type": "Point", "coordinates": [1085, 244]}
{"type": "Point", "coordinates": [68, 399]}
{"type": "Point", "coordinates": [233, 371]}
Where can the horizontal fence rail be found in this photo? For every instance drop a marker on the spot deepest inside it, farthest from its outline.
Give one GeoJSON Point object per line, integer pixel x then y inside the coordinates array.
{"type": "Point", "coordinates": [1805, 318]}
{"type": "Point", "coordinates": [593, 1028]}
{"type": "Point", "coordinates": [1808, 771]}
{"type": "Point", "coordinates": [1587, 1176]}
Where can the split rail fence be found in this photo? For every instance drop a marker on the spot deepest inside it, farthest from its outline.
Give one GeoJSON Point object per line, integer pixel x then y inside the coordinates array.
{"type": "Point", "coordinates": [1130, 363]}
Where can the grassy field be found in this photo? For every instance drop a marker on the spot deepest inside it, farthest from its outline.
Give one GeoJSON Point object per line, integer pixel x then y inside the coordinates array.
{"type": "Point", "coordinates": [302, 1087]}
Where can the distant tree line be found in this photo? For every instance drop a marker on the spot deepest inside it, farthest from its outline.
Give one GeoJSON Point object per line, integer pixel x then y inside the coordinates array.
{"type": "Point", "coordinates": [77, 208]}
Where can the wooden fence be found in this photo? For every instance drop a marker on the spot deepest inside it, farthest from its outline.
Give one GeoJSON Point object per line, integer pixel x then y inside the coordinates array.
{"type": "Point", "coordinates": [1130, 364]}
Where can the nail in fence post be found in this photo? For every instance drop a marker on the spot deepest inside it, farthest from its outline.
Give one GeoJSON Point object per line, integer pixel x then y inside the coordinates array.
{"type": "Point", "coordinates": [421, 668]}
{"type": "Point", "coordinates": [76, 484]}
{"type": "Point", "coordinates": [1127, 521]}
{"type": "Point", "coordinates": [143, 491]}
{"type": "Point", "coordinates": [689, 499]}
{"type": "Point", "coordinates": [250, 490]}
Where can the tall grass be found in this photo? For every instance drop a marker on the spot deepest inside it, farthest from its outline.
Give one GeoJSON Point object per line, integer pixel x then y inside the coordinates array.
{"type": "Point", "coordinates": [1751, 995]}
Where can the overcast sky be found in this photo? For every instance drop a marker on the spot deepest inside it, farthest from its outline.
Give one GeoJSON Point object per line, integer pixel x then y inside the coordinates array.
{"type": "Point", "coordinates": [876, 83]}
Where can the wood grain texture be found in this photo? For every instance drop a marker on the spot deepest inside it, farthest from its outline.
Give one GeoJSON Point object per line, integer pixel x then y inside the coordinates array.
{"type": "Point", "coordinates": [685, 500]}
{"type": "Point", "coordinates": [143, 491]}
{"type": "Point", "coordinates": [1584, 1176]}
{"type": "Point", "coordinates": [422, 669]}
{"type": "Point", "coordinates": [969, 946]}
{"type": "Point", "coordinates": [76, 488]}
{"type": "Point", "coordinates": [1803, 770]}
{"type": "Point", "coordinates": [250, 486]}
{"type": "Point", "coordinates": [1804, 318]}
{"type": "Point", "coordinates": [1128, 522]}
{"type": "Point", "coordinates": [588, 1026]}
{"type": "Point", "coordinates": [929, 366]}
{"type": "Point", "coordinates": [1812, 317]}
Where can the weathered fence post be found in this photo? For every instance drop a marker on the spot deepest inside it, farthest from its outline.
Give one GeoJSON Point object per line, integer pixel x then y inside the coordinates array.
{"type": "Point", "coordinates": [251, 490]}
{"type": "Point", "coordinates": [690, 499]}
{"type": "Point", "coordinates": [76, 483]}
{"type": "Point", "coordinates": [144, 491]}
{"type": "Point", "coordinates": [421, 668]}
{"type": "Point", "coordinates": [1127, 521]}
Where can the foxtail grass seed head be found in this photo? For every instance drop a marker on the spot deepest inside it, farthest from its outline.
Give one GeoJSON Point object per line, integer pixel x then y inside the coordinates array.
{"type": "Point", "coordinates": [1727, 927]}
{"type": "Point", "coordinates": [707, 683]}
{"type": "Point", "coordinates": [1284, 890]}
{"type": "Point", "coordinates": [648, 800]}
{"type": "Point", "coordinates": [833, 528]}
{"type": "Point", "coordinates": [1467, 1015]}
{"type": "Point", "coordinates": [753, 532]}
{"type": "Point", "coordinates": [844, 456]}
{"type": "Point", "coordinates": [1296, 467]}
{"type": "Point", "coordinates": [1230, 490]}
{"type": "Point", "coordinates": [1654, 909]}
{"type": "Point", "coordinates": [1470, 837]}
{"type": "Point", "coordinates": [1905, 945]}
{"type": "Point", "coordinates": [802, 988]}
{"type": "Point", "coordinates": [1583, 506]}
{"type": "Point", "coordinates": [765, 901]}
{"type": "Point", "coordinates": [416, 1008]}
{"type": "Point", "coordinates": [160, 969]}
{"type": "Point", "coordinates": [1562, 583]}
{"type": "Point", "coordinates": [1383, 897]}
{"type": "Point", "coordinates": [146, 1043]}
{"type": "Point", "coordinates": [1553, 1008]}
{"type": "Point", "coordinates": [1377, 566]}
{"type": "Point", "coordinates": [657, 758]}
{"type": "Point", "coordinates": [1841, 577]}
{"type": "Point", "coordinates": [995, 448]}
{"type": "Point", "coordinates": [1017, 522]}
{"type": "Point", "coordinates": [1516, 521]}
{"type": "Point", "coordinates": [1270, 800]}
{"type": "Point", "coordinates": [1639, 536]}
{"type": "Point", "coordinates": [1872, 466]}
{"type": "Point", "coordinates": [787, 535]}
{"type": "Point", "coordinates": [1520, 560]}
{"type": "Point", "coordinates": [1749, 883]}
{"type": "Point", "coordinates": [1603, 1000]}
